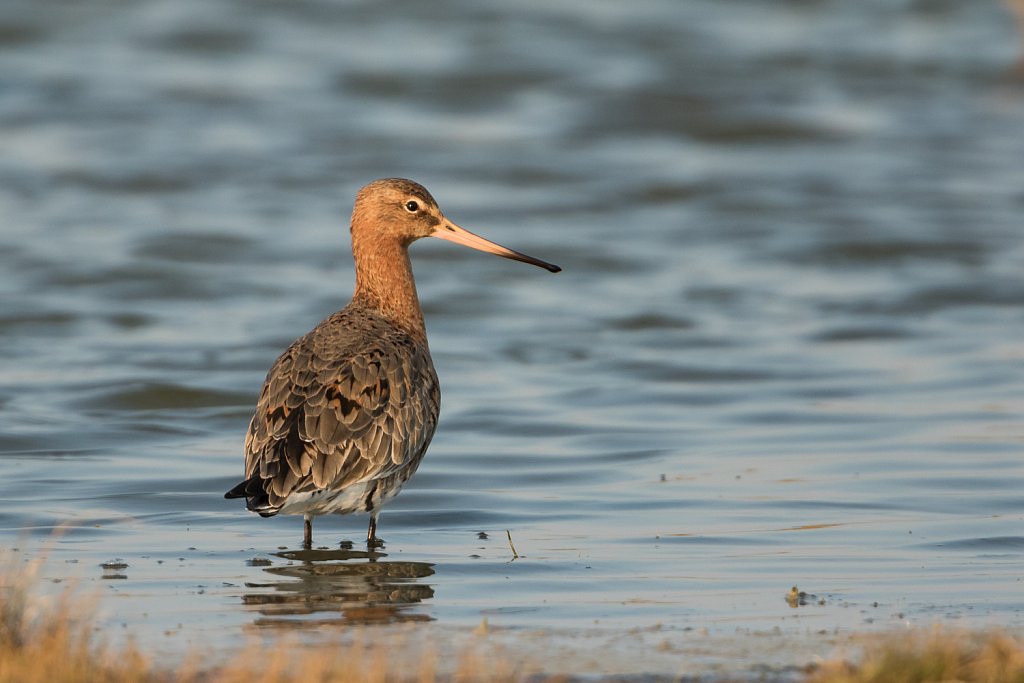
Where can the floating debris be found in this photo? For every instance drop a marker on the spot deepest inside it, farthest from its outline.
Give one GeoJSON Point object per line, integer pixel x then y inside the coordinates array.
{"type": "Point", "coordinates": [114, 569]}
{"type": "Point", "coordinates": [515, 555]}
{"type": "Point", "coordinates": [798, 598]}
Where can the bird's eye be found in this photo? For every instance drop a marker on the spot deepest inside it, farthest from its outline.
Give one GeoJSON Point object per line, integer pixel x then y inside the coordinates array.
{"type": "Point", "coordinates": [412, 206]}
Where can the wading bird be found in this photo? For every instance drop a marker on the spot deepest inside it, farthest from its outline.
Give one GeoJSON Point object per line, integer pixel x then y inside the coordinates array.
{"type": "Point", "coordinates": [347, 411]}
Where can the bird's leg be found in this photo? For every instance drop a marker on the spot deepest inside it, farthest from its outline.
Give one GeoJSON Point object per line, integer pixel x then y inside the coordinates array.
{"type": "Point", "coordinates": [307, 536]}
{"type": "Point", "coordinates": [371, 534]}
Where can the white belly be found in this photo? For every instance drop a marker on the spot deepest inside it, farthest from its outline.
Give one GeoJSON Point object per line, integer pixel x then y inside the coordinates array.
{"type": "Point", "coordinates": [366, 496]}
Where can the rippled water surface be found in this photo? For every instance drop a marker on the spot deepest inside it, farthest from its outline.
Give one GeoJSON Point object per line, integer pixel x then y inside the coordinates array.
{"type": "Point", "coordinates": [786, 348]}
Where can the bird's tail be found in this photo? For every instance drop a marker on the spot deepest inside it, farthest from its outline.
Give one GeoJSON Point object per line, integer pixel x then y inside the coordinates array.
{"type": "Point", "coordinates": [256, 498]}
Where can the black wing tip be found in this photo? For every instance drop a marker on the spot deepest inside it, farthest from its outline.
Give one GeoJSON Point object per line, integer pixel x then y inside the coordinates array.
{"type": "Point", "coordinates": [239, 491]}
{"type": "Point", "coordinates": [256, 498]}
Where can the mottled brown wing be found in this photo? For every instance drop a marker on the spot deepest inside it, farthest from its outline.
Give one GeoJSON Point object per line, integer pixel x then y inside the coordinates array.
{"type": "Point", "coordinates": [328, 422]}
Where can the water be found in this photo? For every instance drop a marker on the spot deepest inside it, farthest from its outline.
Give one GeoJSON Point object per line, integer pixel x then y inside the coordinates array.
{"type": "Point", "coordinates": [785, 348]}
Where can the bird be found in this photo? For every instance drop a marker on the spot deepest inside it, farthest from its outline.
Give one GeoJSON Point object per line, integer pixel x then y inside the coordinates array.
{"type": "Point", "coordinates": [347, 411]}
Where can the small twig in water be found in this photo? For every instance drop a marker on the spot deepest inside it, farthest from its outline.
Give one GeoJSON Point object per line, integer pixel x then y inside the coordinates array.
{"type": "Point", "coordinates": [515, 555]}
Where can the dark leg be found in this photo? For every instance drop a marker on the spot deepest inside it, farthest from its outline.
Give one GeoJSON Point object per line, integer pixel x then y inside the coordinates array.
{"type": "Point", "coordinates": [371, 534]}
{"type": "Point", "coordinates": [307, 536]}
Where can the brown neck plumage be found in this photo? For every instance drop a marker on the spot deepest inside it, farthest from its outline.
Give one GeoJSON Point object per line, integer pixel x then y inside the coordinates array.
{"type": "Point", "coordinates": [384, 280]}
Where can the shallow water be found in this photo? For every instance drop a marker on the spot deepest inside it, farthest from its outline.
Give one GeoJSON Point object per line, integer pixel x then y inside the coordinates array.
{"type": "Point", "coordinates": [785, 348]}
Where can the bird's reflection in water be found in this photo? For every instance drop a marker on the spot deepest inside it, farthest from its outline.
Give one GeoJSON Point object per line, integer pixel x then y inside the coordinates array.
{"type": "Point", "coordinates": [342, 587]}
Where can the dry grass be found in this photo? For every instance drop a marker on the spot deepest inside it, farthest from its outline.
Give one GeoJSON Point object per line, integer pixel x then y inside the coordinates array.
{"type": "Point", "coordinates": [55, 641]}
{"type": "Point", "coordinates": [52, 640]}
{"type": "Point", "coordinates": [934, 656]}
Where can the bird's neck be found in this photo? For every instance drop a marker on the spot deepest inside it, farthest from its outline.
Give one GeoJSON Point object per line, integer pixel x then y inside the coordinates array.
{"type": "Point", "coordinates": [384, 282]}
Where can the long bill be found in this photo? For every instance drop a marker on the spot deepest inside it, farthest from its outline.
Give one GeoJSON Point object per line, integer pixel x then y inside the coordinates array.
{"type": "Point", "coordinates": [453, 233]}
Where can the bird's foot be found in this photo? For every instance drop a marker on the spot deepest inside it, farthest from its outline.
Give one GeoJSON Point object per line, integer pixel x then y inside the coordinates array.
{"type": "Point", "coordinates": [307, 532]}
{"type": "Point", "coordinates": [371, 534]}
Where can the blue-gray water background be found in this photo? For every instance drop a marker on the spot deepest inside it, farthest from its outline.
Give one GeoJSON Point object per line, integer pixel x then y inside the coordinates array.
{"type": "Point", "coordinates": [786, 347]}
